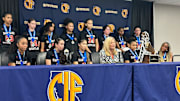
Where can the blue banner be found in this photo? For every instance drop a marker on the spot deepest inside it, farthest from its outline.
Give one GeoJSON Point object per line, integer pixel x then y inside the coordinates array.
{"type": "Point", "coordinates": [68, 83]}
{"type": "Point", "coordinates": [156, 82]}
{"type": "Point", "coordinates": [116, 13]}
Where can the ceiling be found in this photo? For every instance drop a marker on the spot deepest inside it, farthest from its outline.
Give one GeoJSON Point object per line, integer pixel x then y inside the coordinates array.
{"type": "Point", "coordinates": [168, 2]}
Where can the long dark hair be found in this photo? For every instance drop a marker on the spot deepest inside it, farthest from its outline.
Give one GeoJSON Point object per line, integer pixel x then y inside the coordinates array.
{"type": "Point", "coordinates": [56, 42]}
{"type": "Point", "coordinates": [13, 48]}
{"type": "Point", "coordinates": [86, 22]}
{"type": "Point", "coordinates": [117, 33]}
{"type": "Point", "coordinates": [104, 28]}
{"type": "Point", "coordinates": [46, 27]}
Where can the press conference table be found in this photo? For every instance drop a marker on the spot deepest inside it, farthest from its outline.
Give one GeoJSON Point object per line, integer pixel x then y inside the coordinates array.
{"type": "Point", "coordinates": [101, 82]}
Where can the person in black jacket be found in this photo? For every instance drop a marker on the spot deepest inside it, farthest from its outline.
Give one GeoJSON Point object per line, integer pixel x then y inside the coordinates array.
{"type": "Point", "coordinates": [48, 37]}
{"type": "Point", "coordinates": [33, 38]}
{"type": "Point", "coordinates": [106, 33]}
{"type": "Point", "coordinates": [7, 32]}
{"type": "Point", "coordinates": [18, 54]}
{"type": "Point", "coordinates": [90, 36]}
{"type": "Point", "coordinates": [120, 39]}
{"type": "Point", "coordinates": [55, 56]}
{"type": "Point", "coordinates": [70, 38]}
{"type": "Point", "coordinates": [82, 56]}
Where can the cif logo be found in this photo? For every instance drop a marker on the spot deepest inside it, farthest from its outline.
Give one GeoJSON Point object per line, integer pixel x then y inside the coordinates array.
{"type": "Point", "coordinates": [124, 13]}
{"type": "Point", "coordinates": [80, 26]}
{"type": "Point", "coordinates": [96, 10]}
{"type": "Point", "coordinates": [29, 4]}
{"type": "Point", "coordinates": [70, 82]}
{"type": "Point", "coordinates": [65, 7]}
{"type": "Point", "coordinates": [177, 79]}
{"type": "Point", "coordinates": [112, 27]}
{"type": "Point", "coordinates": [47, 20]}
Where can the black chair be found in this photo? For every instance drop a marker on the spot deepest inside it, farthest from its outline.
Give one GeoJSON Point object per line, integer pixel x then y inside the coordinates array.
{"type": "Point", "coordinates": [4, 59]}
{"type": "Point", "coordinates": [95, 58]}
{"type": "Point", "coordinates": [41, 58]}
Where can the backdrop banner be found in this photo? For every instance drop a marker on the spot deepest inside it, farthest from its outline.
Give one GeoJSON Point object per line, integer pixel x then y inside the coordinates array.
{"type": "Point", "coordinates": [116, 13]}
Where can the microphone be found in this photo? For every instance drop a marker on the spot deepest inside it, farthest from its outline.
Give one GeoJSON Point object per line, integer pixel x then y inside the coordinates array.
{"type": "Point", "coordinates": [66, 53]}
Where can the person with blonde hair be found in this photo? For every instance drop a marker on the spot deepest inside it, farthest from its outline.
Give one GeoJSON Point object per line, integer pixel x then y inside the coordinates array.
{"type": "Point", "coordinates": [165, 53]}
{"type": "Point", "coordinates": [109, 52]}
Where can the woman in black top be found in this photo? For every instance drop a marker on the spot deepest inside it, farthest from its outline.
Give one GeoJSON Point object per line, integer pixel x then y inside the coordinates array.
{"type": "Point", "coordinates": [90, 36]}
{"type": "Point", "coordinates": [70, 38]}
{"type": "Point", "coordinates": [120, 39]}
{"type": "Point", "coordinates": [48, 37]}
{"type": "Point", "coordinates": [82, 56]}
{"type": "Point", "coordinates": [105, 34]}
{"type": "Point", "coordinates": [7, 32]}
{"type": "Point", "coordinates": [33, 38]}
{"type": "Point", "coordinates": [55, 55]}
{"type": "Point", "coordinates": [19, 55]}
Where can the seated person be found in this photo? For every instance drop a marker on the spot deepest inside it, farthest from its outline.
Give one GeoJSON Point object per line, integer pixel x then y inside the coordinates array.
{"type": "Point", "coordinates": [131, 55]}
{"type": "Point", "coordinates": [165, 53]}
{"type": "Point", "coordinates": [55, 55]}
{"type": "Point", "coordinates": [109, 52]}
{"type": "Point", "coordinates": [19, 55]}
{"type": "Point", "coordinates": [82, 56]}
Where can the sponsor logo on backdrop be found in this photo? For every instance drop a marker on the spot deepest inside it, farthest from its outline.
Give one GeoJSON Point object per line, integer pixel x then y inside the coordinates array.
{"type": "Point", "coordinates": [82, 9]}
{"type": "Point", "coordinates": [177, 80]}
{"type": "Point", "coordinates": [124, 13]}
{"type": "Point", "coordinates": [111, 11]}
{"type": "Point", "coordinates": [97, 27]}
{"type": "Point", "coordinates": [48, 5]}
{"type": "Point", "coordinates": [29, 4]}
{"type": "Point", "coordinates": [37, 23]}
{"type": "Point", "coordinates": [126, 28]}
{"type": "Point", "coordinates": [69, 83]}
{"type": "Point", "coordinates": [112, 27]}
{"type": "Point", "coordinates": [96, 10]}
{"type": "Point", "coordinates": [47, 20]}
{"type": "Point", "coordinates": [80, 26]}
{"type": "Point", "coordinates": [65, 7]}
{"type": "Point", "coordinates": [61, 25]}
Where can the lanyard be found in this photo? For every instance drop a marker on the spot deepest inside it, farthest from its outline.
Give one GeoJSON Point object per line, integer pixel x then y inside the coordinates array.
{"type": "Point", "coordinates": [134, 54]}
{"type": "Point", "coordinates": [72, 38]}
{"type": "Point", "coordinates": [164, 57]}
{"type": "Point", "coordinates": [34, 34]}
{"type": "Point", "coordinates": [83, 56]}
{"type": "Point", "coordinates": [8, 32]}
{"type": "Point", "coordinates": [138, 39]}
{"type": "Point", "coordinates": [105, 37]}
{"type": "Point", "coordinates": [91, 34]}
{"type": "Point", "coordinates": [19, 55]}
{"type": "Point", "coordinates": [50, 37]}
{"type": "Point", "coordinates": [56, 55]}
{"type": "Point", "coordinates": [121, 40]}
